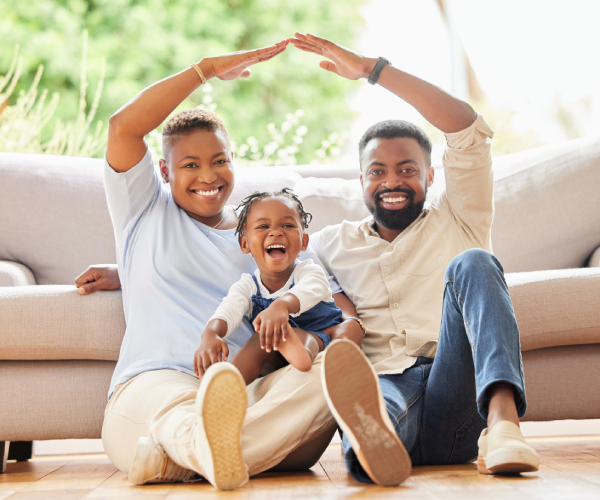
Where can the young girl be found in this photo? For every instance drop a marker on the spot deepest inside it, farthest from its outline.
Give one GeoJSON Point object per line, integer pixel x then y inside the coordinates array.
{"type": "Point", "coordinates": [282, 295]}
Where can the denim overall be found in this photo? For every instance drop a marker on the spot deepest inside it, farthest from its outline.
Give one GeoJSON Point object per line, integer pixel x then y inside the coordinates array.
{"type": "Point", "coordinates": [321, 316]}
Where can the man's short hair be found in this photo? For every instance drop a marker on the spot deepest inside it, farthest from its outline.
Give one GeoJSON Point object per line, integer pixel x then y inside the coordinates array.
{"type": "Point", "coordinates": [390, 129]}
{"type": "Point", "coordinates": [188, 121]}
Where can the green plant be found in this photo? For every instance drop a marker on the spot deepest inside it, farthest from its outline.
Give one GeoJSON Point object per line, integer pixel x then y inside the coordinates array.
{"type": "Point", "coordinates": [282, 148]}
{"type": "Point", "coordinates": [144, 42]}
{"type": "Point", "coordinates": [22, 123]}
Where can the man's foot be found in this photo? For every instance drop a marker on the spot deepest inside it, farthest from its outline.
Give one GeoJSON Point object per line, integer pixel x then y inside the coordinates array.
{"type": "Point", "coordinates": [222, 402]}
{"type": "Point", "coordinates": [152, 465]}
{"type": "Point", "coordinates": [296, 352]}
{"type": "Point", "coordinates": [352, 391]}
{"type": "Point", "coordinates": [503, 450]}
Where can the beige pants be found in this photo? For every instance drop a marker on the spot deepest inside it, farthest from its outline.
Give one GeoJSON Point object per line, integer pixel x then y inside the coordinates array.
{"type": "Point", "coordinates": [287, 416]}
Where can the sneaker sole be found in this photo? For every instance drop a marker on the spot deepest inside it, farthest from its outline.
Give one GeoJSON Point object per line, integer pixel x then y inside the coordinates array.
{"type": "Point", "coordinates": [507, 461]}
{"type": "Point", "coordinates": [223, 412]}
{"type": "Point", "coordinates": [352, 390]}
{"type": "Point", "coordinates": [143, 452]}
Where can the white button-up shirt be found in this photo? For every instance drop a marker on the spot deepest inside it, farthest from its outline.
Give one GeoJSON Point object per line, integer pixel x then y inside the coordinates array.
{"type": "Point", "coordinates": [397, 288]}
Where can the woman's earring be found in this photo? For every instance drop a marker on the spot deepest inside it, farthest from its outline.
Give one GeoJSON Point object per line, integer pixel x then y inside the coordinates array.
{"type": "Point", "coordinates": [165, 181]}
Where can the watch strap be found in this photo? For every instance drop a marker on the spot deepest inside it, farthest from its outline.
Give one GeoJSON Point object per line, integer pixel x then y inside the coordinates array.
{"type": "Point", "coordinates": [382, 62]}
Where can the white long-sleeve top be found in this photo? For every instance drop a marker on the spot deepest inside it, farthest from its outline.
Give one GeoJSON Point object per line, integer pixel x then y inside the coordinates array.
{"type": "Point", "coordinates": [310, 287]}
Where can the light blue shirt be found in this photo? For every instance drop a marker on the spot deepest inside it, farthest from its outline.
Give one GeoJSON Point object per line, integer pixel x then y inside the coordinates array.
{"type": "Point", "coordinates": [174, 272]}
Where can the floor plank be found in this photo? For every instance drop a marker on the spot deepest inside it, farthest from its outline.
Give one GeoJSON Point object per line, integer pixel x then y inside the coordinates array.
{"type": "Point", "coordinates": [570, 470]}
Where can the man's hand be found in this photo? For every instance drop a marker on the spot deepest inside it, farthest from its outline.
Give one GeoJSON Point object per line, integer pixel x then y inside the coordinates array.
{"type": "Point", "coordinates": [212, 348]}
{"type": "Point", "coordinates": [345, 62]}
{"type": "Point", "coordinates": [235, 65]}
{"type": "Point", "coordinates": [439, 108]}
{"type": "Point", "coordinates": [272, 324]}
{"type": "Point", "coordinates": [100, 277]}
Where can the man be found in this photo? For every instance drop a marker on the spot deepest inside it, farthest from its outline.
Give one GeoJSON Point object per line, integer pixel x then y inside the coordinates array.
{"type": "Point", "coordinates": [406, 269]}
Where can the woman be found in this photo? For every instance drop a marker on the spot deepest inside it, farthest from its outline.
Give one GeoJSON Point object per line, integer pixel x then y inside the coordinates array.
{"type": "Point", "coordinates": [177, 256]}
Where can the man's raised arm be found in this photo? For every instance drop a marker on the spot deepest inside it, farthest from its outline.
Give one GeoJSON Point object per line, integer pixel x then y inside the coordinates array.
{"type": "Point", "coordinates": [439, 108]}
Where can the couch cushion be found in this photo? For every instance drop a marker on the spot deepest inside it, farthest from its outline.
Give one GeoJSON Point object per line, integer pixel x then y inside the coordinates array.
{"type": "Point", "coordinates": [54, 217]}
{"type": "Point", "coordinates": [547, 206]}
{"type": "Point", "coordinates": [55, 322]}
{"type": "Point", "coordinates": [250, 179]}
{"type": "Point", "coordinates": [330, 201]}
{"type": "Point", "coordinates": [556, 308]}
{"type": "Point", "coordinates": [553, 308]}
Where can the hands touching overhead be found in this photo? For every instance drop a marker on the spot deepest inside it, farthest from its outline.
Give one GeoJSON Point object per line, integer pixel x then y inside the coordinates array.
{"type": "Point", "coordinates": [235, 65]}
{"type": "Point", "coordinates": [344, 62]}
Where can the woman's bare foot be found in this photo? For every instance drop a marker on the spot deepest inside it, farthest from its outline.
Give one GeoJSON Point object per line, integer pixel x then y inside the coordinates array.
{"type": "Point", "coordinates": [300, 349]}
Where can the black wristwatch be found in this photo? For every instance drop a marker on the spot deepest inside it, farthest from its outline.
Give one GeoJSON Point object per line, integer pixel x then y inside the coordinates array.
{"type": "Point", "coordinates": [374, 76]}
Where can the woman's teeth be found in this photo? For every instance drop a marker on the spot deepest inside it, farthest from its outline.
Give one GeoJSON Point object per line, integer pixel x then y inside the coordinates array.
{"type": "Point", "coordinates": [207, 193]}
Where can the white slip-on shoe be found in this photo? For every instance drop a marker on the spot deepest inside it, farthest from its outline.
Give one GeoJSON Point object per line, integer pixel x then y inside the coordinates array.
{"type": "Point", "coordinates": [222, 402]}
{"type": "Point", "coordinates": [352, 392]}
{"type": "Point", "coordinates": [503, 450]}
{"type": "Point", "coordinates": [152, 465]}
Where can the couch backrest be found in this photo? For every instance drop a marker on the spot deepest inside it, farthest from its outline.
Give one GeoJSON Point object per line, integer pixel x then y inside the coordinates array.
{"type": "Point", "coordinates": [54, 218]}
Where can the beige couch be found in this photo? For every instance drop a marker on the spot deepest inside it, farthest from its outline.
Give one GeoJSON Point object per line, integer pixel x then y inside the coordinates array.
{"type": "Point", "coordinates": [58, 349]}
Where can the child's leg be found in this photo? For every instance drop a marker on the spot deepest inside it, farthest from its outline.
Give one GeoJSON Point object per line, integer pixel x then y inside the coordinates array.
{"type": "Point", "coordinates": [250, 359]}
{"type": "Point", "coordinates": [300, 348]}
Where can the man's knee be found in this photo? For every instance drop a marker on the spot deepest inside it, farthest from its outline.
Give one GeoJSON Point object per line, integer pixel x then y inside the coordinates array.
{"type": "Point", "coordinates": [473, 260]}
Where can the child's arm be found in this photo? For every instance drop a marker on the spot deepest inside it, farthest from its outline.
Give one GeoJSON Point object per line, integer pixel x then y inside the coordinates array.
{"type": "Point", "coordinates": [146, 111]}
{"type": "Point", "coordinates": [227, 317]}
{"type": "Point", "coordinates": [212, 348]}
{"type": "Point", "coordinates": [439, 108]}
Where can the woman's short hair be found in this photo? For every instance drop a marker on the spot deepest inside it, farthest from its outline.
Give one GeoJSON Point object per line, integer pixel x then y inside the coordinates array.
{"type": "Point", "coordinates": [186, 122]}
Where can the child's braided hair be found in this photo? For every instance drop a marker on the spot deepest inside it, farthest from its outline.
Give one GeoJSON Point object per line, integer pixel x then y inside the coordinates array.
{"type": "Point", "coordinates": [247, 203]}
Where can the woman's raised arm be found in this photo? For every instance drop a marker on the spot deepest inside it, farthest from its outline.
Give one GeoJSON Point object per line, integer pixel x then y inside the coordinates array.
{"type": "Point", "coordinates": [147, 110]}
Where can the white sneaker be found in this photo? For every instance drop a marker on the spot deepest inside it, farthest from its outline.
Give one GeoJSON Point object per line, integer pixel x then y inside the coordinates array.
{"type": "Point", "coordinates": [152, 465]}
{"type": "Point", "coordinates": [352, 392]}
{"type": "Point", "coordinates": [222, 402]}
{"type": "Point", "coordinates": [503, 450]}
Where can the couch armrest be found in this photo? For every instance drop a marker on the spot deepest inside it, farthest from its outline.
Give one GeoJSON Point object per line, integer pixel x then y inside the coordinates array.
{"type": "Point", "coordinates": [556, 308]}
{"type": "Point", "coordinates": [55, 322]}
{"type": "Point", "coordinates": [15, 274]}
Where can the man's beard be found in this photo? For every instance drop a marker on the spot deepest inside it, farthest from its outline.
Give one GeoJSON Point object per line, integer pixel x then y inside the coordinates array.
{"type": "Point", "coordinates": [396, 219]}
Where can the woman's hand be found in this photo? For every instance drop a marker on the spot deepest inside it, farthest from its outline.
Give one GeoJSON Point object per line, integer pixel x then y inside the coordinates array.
{"type": "Point", "coordinates": [212, 348]}
{"type": "Point", "coordinates": [100, 277]}
{"type": "Point", "coordinates": [343, 62]}
{"type": "Point", "coordinates": [235, 65]}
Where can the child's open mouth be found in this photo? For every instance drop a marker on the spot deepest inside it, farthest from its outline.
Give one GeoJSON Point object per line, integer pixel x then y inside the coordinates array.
{"type": "Point", "coordinates": [276, 251]}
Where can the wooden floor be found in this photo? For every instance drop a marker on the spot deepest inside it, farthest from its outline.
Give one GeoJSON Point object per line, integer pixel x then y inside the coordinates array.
{"type": "Point", "coordinates": [570, 469]}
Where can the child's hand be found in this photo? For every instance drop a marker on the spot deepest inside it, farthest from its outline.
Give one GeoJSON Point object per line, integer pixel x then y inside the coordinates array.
{"type": "Point", "coordinates": [272, 325]}
{"type": "Point", "coordinates": [212, 349]}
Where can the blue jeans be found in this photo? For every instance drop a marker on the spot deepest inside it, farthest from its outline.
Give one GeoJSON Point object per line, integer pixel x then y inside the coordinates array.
{"type": "Point", "coordinates": [439, 406]}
